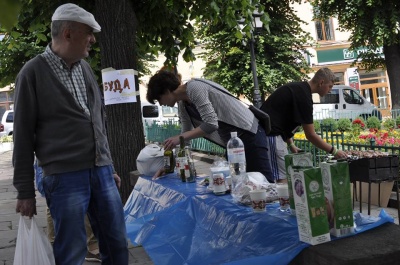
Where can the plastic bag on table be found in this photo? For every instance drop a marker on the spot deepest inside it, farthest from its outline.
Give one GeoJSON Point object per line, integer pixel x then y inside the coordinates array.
{"type": "Point", "coordinates": [150, 159]}
{"type": "Point", "coordinates": [32, 247]}
{"type": "Point", "coordinates": [251, 181]}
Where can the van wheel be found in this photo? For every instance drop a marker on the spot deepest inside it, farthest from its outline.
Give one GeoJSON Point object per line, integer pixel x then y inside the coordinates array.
{"type": "Point", "coordinates": [377, 114]}
{"type": "Point", "coordinates": [365, 116]}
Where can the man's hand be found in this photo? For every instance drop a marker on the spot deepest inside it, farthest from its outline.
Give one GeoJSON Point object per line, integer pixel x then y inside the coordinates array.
{"type": "Point", "coordinates": [27, 207]}
{"type": "Point", "coordinates": [159, 173]}
{"type": "Point", "coordinates": [117, 180]}
{"type": "Point", "coordinates": [340, 154]}
{"type": "Point", "coordinates": [294, 149]}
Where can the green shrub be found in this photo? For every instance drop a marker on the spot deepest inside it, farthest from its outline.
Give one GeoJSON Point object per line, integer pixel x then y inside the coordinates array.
{"type": "Point", "coordinates": [389, 124]}
{"type": "Point", "coordinates": [330, 122]}
{"type": "Point", "coordinates": [317, 126]}
{"type": "Point", "coordinates": [373, 123]}
{"type": "Point", "coordinates": [344, 124]}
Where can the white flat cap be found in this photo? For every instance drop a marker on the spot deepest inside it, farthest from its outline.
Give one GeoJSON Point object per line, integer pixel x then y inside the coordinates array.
{"type": "Point", "coordinates": [72, 12]}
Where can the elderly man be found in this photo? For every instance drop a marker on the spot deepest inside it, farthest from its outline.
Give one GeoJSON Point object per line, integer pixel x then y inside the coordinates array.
{"type": "Point", "coordinates": [59, 117]}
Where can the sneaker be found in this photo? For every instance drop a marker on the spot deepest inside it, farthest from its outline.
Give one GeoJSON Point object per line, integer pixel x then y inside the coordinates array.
{"type": "Point", "coordinates": [93, 257]}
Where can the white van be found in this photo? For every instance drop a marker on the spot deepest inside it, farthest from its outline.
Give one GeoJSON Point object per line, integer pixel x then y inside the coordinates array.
{"type": "Point", "coordinates": [7, 123]}
{"type": "Point", "coordinates": [343, 102]}
{"type": "Point", "coordinates": [159, 114]}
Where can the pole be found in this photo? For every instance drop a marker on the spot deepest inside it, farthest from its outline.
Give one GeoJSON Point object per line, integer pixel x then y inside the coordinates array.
{"type": "Point", "coordinates": [256, 92]}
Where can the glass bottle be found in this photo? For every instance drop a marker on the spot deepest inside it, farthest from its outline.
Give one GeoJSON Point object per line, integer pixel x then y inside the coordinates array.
{"type": "Point", "coordinates": [169, 164]}
{"type": "Point", "coordinates": [190, 171]}
{"type": "Point", "coordinates": [181, 159]}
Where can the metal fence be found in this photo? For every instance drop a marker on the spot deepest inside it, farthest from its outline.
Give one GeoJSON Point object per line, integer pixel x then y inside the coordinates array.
{"type": "Point", "coordinates": [337, 140]}
{"type": "Point", "coordinates": [159, 132]}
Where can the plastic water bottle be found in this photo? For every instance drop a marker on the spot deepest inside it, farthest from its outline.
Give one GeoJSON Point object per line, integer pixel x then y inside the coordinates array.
{"type": "Point", "coordinates": [236, 157]}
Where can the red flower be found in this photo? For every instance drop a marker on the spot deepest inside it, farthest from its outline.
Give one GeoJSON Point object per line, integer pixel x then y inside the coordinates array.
{"type": "Point", "coordinates": [359, 122]}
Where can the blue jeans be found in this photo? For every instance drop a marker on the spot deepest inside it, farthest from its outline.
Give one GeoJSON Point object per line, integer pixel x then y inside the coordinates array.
{"type": "Point", "coordinates": [256, 150]}
{"type": "Point", "coordinates": [93, 191]}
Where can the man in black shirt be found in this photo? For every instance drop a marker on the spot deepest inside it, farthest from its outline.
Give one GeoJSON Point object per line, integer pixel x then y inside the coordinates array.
{"type": "Point", "coordinates": [290, 107]}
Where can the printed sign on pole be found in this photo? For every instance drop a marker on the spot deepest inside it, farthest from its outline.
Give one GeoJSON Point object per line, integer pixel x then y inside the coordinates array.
{"type": "Point", "coordinates": [119, 86]}
{"type": "Point", "coordinates": [353, 77]}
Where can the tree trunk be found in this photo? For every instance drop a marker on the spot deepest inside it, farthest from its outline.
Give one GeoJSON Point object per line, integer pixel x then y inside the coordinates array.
{"type": "Point", "coordinates": [392, 59]}
{"type": "Point", "coordinates": [124, 124]}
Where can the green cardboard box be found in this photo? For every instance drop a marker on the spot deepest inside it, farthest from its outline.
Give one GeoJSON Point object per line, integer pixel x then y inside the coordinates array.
{"type": "Point", "coordinates": [309, 199]}
{"type": "Point", "coordinates": [336, 179]}
{"type": "Point", "coordinates": [296, 160]}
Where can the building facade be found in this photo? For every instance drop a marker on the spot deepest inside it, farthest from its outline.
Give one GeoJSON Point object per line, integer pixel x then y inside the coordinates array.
{"type": "Point", "coordinates": [331, 49]}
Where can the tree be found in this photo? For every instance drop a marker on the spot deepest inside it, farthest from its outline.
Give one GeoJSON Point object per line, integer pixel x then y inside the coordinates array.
{"type": "Point", "coordinates": [130, 31]}
{"type": "Point", "coordinates": [372, 24]}
{"type": "Point", "coordinates": [279, 52]}
{"type": "Point", "coordinates": [9, 10]}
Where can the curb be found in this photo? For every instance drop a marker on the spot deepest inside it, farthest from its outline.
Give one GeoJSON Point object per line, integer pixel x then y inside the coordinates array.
{"type": "Point", "coordinates": [203, 157]}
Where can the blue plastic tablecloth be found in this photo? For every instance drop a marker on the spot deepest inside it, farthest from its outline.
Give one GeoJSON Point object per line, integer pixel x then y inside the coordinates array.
{"type": "Point", "coordinates": [185, 223]}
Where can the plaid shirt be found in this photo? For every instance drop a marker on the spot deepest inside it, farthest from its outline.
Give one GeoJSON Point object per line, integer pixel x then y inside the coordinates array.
{"type": "Point", "coordinates": [72, 78]}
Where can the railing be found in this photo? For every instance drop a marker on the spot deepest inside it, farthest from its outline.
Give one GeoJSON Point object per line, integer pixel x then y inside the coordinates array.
{"type": "Point", "coordinates": [337, 139]}
{"type": "Point", "coordinates": [158, 133]}
{"type": "Point", "coordinates": [322, 114]}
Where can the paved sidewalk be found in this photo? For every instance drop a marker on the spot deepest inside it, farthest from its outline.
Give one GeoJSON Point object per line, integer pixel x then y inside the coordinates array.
{"type": "Point", "coordinates": [9, 219]}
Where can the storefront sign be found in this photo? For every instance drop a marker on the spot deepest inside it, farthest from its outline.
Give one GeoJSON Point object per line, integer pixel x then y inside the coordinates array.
{"type": "Point", "coordinates": [343, 55]}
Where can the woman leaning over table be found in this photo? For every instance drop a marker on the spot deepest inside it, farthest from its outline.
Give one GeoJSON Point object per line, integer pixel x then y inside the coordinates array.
{"type": "Point", "coordinates": [206, 111]}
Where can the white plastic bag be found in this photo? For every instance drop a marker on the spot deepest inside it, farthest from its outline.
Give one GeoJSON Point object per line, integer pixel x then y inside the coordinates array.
{"type": "Point", "coordinates": [150, 159]}
{"type": "Point", "coordinates": [33, 247]}
{"type": "Point", "coordinates": [252, 181]}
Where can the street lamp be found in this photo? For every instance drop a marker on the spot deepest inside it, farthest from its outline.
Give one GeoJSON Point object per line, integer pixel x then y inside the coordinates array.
{"type": "Point", "coordinates": [257, 25]}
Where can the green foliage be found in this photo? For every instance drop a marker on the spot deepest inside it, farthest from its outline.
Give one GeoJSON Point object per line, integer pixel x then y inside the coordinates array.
{"type": "Point", "coordinates": [389, 124]}
{"type": "Point", "coordinates": [398, 121]}
{"type": "Point", "coordinates": [373, 123]}
{"type": "Point", "coordinates": [317, 126]}
{"type": "Point", "coordinates": [344, 124]}
{"type": "Point", "coordinates": [9, 10]}
{"type": "Point", "coordinates": [330, 122]}
{"type": "Point", "coordinates": [174, 22]}
{"type": "Point", "coordinates": [279, 53]}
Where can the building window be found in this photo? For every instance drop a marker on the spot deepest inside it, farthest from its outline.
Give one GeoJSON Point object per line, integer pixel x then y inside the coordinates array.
{"type": "Point", "coordinates": [324, 29]}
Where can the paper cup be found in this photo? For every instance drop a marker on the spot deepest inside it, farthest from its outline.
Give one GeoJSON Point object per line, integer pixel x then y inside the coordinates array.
{"type": "Point", "coordinates": [282, 190]}
{"type": "Point", "coordinates": [219, 183]}
{"type": "Point", "coordinates": [258, 200]}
